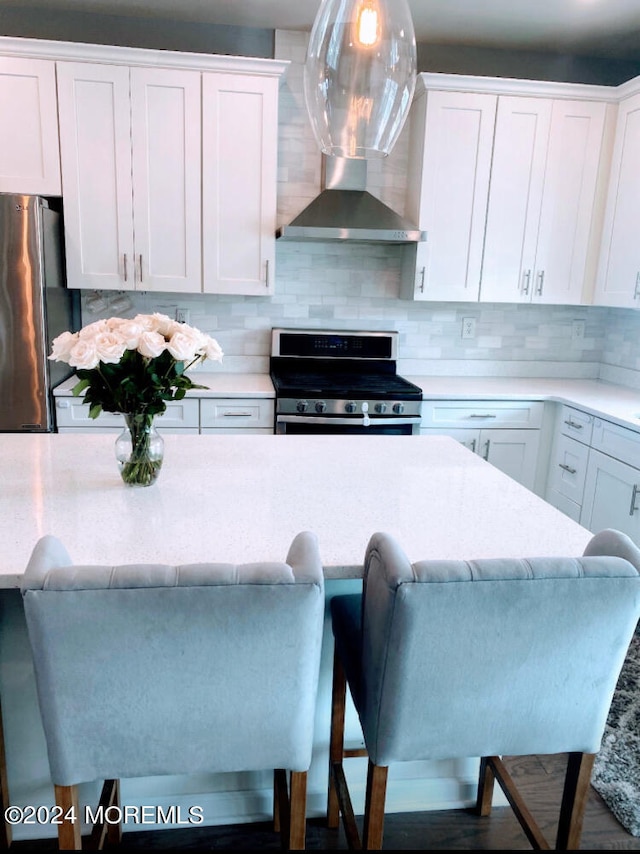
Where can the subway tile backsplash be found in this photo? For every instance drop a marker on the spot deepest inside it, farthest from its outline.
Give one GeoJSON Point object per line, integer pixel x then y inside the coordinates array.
{"type": "Point", "coordinates": [344, 286]}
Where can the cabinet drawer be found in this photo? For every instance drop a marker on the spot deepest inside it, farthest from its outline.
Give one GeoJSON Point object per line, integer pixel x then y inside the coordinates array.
{"type": "Point", "coordinates": [564, 504]}
{"type": "Point", "coordinates": [237, 412]}
{"type": "Point", "coordinates": [575, 423]}
{"type": "Point", "coordinates": [569, 468]}
{"type": "Point", "coordinates": [482, 413]}
{"type": "Point", "coordinates": [73, 412]}
{"type": "Point", "coordinates": [616, 441]}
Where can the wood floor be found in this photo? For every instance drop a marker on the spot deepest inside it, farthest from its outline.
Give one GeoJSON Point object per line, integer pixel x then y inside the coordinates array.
{"type": "Point", "coordinates": [539, 780]}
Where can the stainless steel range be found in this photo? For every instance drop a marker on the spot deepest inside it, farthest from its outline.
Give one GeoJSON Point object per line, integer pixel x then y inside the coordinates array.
{"type": "Point", "coordinates": [341, 382]}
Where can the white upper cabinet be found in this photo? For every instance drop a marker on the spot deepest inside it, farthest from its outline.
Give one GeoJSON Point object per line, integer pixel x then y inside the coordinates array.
{"type": "Point", "coordinates": [167, 179]}
{"type": "Point", "coordinates": [240, 132]}
{"type": "Point", "coordinates": [544, 177]}
{"type": "Point", "coordinates": [450, 164]}
{"type": "Point", "coordinates": [130, 152]}
{"type": "Point", "coordinates": [618, 282]}
{"type": "Point", "coordinates": [29, 151]}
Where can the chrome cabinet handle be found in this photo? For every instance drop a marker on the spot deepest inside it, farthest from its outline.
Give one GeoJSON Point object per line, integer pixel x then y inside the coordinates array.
{"type": "Point", "coordinates": [482, 415]}
{"type": "Point", "coordinates": [236, 414]}
{"type": "Point", "coordinates": [573, 424]}
{"type": "Point", "coordinates": [634, 493]}
{"type": "Point", "coordinates": [140, 264]}
{"type": "Point", "coordinates": [485, 456]}
{"type": "Point", "coordinates": [526, 282]}
{"type": "Point", "coordinates": [636, 292]}
{"type": "Point", "coordinates": [540, 284]}
{"type": "Point", "coordinates": [567, 468]}
{"type": "Point", "coordinates": [266, 277]}
{"type": "Point", "coordinates": [422, 275]}
{"type": "Point", "coordinates": [125, 267]}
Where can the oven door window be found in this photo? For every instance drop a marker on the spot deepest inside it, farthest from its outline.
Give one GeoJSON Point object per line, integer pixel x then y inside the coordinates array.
{"type": "Point", "coordinates": [300, 426]}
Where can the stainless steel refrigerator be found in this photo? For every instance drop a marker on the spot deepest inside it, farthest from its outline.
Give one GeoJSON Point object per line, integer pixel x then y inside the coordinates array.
{"type": "Point", "coordinates": [35, 306]}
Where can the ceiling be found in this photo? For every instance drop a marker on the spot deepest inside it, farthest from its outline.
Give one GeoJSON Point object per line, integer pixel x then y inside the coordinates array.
{"type": "Point", "coordinates": [609, 28]}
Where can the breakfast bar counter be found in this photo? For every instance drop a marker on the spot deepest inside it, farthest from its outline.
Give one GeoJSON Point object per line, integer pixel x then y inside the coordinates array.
{"type": "Point", "coordinates": [243, 498]}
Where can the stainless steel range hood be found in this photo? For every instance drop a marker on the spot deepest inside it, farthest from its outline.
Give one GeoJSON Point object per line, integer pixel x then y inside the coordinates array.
{"type": "Point", "coordinates": [344, 210]}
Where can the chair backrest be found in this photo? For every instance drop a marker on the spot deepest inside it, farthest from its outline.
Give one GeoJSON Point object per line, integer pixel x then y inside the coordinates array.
{"type": "Point", "coordinates": [154, 669]}
{"type": "Point", "coordinates": [496, 656]}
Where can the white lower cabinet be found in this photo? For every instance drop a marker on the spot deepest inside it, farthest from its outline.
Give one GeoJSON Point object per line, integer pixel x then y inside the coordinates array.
{"type": "Point", "coordinates": [72, 416]}
{"type": "Point", "coordinates": [236, 415]}
{"type": "Point", "coordinates": [190, 415]}
{"type": "Point", "coordinates": [611, 498]}
{"type": "Point", "coordinates": [612, 487]}
{"type": "Point", "coordinates": [505, 433]}
{"type": "Point", "coordinates": [569, 460]}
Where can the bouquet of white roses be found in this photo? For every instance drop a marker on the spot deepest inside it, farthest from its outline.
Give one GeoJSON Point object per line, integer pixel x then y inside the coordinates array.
{"type": "Point", "coordinates": [134, 366]}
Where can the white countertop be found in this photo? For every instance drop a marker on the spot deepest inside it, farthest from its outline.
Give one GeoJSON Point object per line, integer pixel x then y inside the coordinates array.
{"type": "Point", "coordinates": [216, 385]}
{"type": "Point", "coordinates": [615, 402]}
{"type": "Point", "coordinates": [243, 498]}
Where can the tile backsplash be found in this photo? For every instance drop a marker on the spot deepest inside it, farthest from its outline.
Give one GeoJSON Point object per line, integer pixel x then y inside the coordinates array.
{"type": "Point", "coordinates": [356, 286]}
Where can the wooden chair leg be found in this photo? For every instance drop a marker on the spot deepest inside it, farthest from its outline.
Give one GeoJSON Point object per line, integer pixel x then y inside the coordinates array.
{"type": "Point", "coordinates": [280, 803]}
{"type": "Point", "coordinates": [374, 807]}
{"type": "Point", "coordinates": [6, 835]}
{"type": "Point", "coordinates": [297, 810]}
{"type": "Point", "coordinates": [114, 830]}
{"type": "Point", "coordinates": [574, 800]}
{"type": "Point", "coordinates": [485, 787]}
{"type": "Point", "coordinates": [69, 836]}
{"type": "Point", "coordinates": [336, 744]}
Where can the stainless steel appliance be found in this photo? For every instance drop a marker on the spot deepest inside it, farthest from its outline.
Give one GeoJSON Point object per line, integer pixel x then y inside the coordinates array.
{"type": "Point", "coordinates": [35, 306]}
{"type": "Point", "coordinates": [341, 382]}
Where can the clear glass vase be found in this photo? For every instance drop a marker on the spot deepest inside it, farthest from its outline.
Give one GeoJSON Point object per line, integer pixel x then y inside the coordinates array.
{"type": "Point", "coordinates": [139, 450]}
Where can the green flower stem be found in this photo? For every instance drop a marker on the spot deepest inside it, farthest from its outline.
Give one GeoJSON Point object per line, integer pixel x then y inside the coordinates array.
{"type": "Point", "coordinates": [140, 469]}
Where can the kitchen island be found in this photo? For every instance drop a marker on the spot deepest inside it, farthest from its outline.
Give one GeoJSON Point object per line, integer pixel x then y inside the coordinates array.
{"type": "Point", "coordinates": [243, 498]}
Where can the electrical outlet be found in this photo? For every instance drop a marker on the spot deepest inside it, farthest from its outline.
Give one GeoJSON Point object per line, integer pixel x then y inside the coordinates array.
{"type": "Point", "coordinates": [182, 315]}
{"type": "Point", "coordinates": [468, 327]}
{"type": "Point", "coordinates": [577, 330]}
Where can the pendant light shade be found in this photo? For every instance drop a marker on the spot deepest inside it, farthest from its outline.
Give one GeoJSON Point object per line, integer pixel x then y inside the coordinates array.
{"type": "Point", "coordinates": [359, 75]}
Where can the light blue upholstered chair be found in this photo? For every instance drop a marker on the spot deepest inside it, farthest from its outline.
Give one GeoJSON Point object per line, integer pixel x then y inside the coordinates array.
{"type": "Point", "coordinates": [481, 658]}
{"type": "Point", "coordinates": [147, 670]}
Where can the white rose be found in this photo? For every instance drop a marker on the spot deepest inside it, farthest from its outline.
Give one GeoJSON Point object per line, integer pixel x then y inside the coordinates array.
{"type": "Point", "coordinates": [84, 354]}
{"type": "Point", "coordinates": [151, 344]}
{"type": "Point", "coordinates": [110, 346]}
{"type": "Point", "coordinates": [146, 321]}
{"type": "Point", "coordinates": [130, 331]}
{"type": "Point", "coordinates": [212, 350]}
{"type": "Point", "coordinates": [184, 343]}
{"type": "Point", "coordinates": [164, 324]}
{"type": "Point", "coordinates": [92, 329]}
{"type": "Point", "coordinates": [62, 345]}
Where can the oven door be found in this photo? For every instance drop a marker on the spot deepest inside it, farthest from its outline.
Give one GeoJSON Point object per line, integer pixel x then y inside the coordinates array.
{"type": "Point", "coordinates": [356, 425]}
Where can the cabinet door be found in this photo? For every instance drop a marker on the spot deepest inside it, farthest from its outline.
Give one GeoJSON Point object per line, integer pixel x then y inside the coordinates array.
{"type": "Point", "coordinates": [611, 498]}
{"type": "Point", "coordinates": [166, 145]}
{"type": "Point", "coordinates": [570, 180]}
{"type": "Point", "coordinates": [515, 198]}
{"type": "Point", "coordinates": [95, 143]}
{"type": "Point", "coordinates": [240, 130]}
{"type": "Point", "coordinates": [619, 270]}
{"type": "Point", "coordinates": [29, 150]}
{"type": "Point", "coordinates": [515, 452]}
{"type": "Point", "coordinates": [450, 159]}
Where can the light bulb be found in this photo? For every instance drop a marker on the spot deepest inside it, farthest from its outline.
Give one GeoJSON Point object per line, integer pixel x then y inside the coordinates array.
{"type": "Point", "coordinates": [368, 24]}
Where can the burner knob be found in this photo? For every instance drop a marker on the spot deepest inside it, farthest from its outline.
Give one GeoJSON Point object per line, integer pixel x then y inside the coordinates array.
{"type": "Point", "coordinates": [321, 406]}
{"type": "Point", "coordinates": [381, 407]}
{"type": "Point", "coordinates": [398, 408]}
{"type": "Point", "coordinates": [302, 406]}
{"type": "Point", "coordinates": [351, 406]}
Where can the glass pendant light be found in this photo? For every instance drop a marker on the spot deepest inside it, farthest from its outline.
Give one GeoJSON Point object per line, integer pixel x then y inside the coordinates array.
{"type": "Point", "coordinates": [359, 75]}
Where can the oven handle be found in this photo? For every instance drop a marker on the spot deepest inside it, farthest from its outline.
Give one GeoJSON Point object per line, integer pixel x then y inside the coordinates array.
{"type": "Point", "coordinates": [310, 419]}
